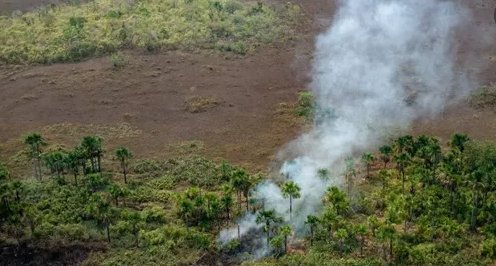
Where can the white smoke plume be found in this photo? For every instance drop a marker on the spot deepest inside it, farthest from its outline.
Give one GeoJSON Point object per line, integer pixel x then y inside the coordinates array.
{"type": "Point", "coordinates": [381, 65]}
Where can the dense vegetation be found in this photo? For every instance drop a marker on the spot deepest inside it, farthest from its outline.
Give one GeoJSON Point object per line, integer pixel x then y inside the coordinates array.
{"type": "Point", "coordinates": [421, 205]}
{"type": "Point", "coordinates": [74, 32]}
{"type": "Point", "coordinates": [412, 203]}
{"type": "Point", "coordinates": [140, 211]}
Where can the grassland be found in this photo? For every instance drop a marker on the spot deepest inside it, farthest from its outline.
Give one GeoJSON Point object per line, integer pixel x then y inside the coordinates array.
{"type": "Point", "coordinates": [74, 32]}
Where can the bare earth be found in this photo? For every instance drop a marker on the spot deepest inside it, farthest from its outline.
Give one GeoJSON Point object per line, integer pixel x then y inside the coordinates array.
{"type": "Point", "coordinates": [145, 105]}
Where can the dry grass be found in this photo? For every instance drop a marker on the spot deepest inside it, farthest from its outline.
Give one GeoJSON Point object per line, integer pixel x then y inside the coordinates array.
{"type": "Point", "coordinates": [485, 97]}
{"type": "Point", "coordinates": [75, 32]}
{"type": "Point", "coordinates": [198, 104]}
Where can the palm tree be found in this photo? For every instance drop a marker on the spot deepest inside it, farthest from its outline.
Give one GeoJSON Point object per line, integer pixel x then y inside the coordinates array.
{"type": "Point", "coordinates": [368, 159]}
{"type": "Point", "coordinates": [404, 144]}
{"type": "Point", "coordinates": [361, 231]}
{"type": "Point", "coordinates": [458, 141]}
{"type": "Point", "coordinates": [268, 218]}
{"type": "Point", "coordinates": [350, 172]}
{"type": "Point", "coordinates": [285, 232]}
{"type": "Point", "coordinates": [101, 211]}
{"type": "Point", "coordinates": [403, 159]}
{"type": "Point", "coordinates": [292, 191]}
{"type": "Point", "coordinates": [312, 222]}
{"type": "Point", "coordinates": [55, 161]}
{"type": "Point", "coordinates": [337, 199]}
{"type": "Point", "coordinates": [116, 192]}
{"type": "Point", "coordinates": [227, 201]}
{"type": "Point", "coordinates": [92, 145]}
{"type": "Point", "coordinates": [35, 142]}
{"type": "Point", "coordinates": [329, 220]}
{"type": "Point", "coordinates": [323, 174]}
{"type": "Point", "coordinates": [386, 152]}
{"type": "Point", "coordinates": [123, 155]}
{"type": "Point", "coordinates": [240, 181]}
{"type": "Point", "coordinates": [341, 234]}
{"type": "Point", "coordinates": [73, 161]}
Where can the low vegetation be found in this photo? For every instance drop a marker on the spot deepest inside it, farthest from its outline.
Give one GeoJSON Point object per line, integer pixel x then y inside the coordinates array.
{"type": "Point", "coordinates": [485, 97]}
{"type": "Point", "coordinates": [306, 105]}
{"type": "Point", "coordinates": [75, 32]}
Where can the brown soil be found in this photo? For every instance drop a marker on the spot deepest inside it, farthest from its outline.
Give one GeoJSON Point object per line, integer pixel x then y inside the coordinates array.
{"type": "Point", "coordinates": [9, 6]}
{"type": "Point", "coordinates": [476, 52]}
{"type": "Point", "coordinates": [146, 105]}
{"type": "Point", "coordinates": [151, 95]}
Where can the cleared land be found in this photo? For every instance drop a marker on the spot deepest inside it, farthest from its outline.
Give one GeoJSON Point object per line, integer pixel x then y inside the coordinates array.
{"type": "Point", "coordinates": [150, 93]}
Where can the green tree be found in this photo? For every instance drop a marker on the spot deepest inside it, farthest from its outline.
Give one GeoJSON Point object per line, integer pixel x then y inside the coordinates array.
{"type": "Point", "coordinates": [123, 155]}
{"type": "Point", "coordinates": [361, 230]}
{"type": "Point", "coordinates": [227, 201]}
{"type": "Point", "coordinates": [342, 235]}
{"type": "Point", "coordinates": [458, 141]}
{"type": "Point", "coordinates": [292, 191]}
{"type": "Point", "coordinates": [285, 232]}
{"type": "Point", "coordinates": [312, 221]}
{"type": "Point", "coordinates": [35, 142]}
{"type": "Point", "coordinates": [386, 152]}
{"type": "Point", "coordinates": [102, 213]}
{"type": "Point", "coordinates": [402, 160]}
{"type": "Point", "coordinates": [240, 181]}
{"type": "Point", "coordinates": [323, 174]}
{"type": "Point", "coordinates": [268, 219]}
{"type": "Point", "coordinates": [56, 162]}
{"type": "Point", "coordinates": [73, 160]}
{"type": "Point", "coordinates": [349, 173]}
{"type": "Point", "coordinates": [116, 192]}
{"type": "Point", "coordinates": [337, 199]}
{"type": "Point", "coordinates": [92, 146]}
{"type": "Point", "coordinates": [368, 160]}
{"type": "Point", "coordinates": [330, 220]}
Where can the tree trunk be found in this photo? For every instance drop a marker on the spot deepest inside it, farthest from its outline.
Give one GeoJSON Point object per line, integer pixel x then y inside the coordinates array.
{"type": "Point", "coordinates": [311, 235]}
{"type": "Point", "coordinates": [285, 244]}
{"type": "Point", "coordinates": [92, 161]}
{"type": "Point", "coordinates": [361, 245]}
{"type": "Point", "coordinates": [391, 248]}
{"type": "Point", "coordinates": [473, 218]}
{"type": "Point", "coordinates": [108, 232]}
{"type": "Point", "coordinates": [75, 178]}
{"type": "Point", "coordinates": [239, 201]}
{"type": "Point", "coordinates": [239, 233]}
{"type": "Point", "coordinates": [99, 159]}
{"type": "Point", "coordinates": [247, 202]}
{"type": "Point", "coordinates": [124, 171]}
{"type": "Point", "coordinates": [290, 207]}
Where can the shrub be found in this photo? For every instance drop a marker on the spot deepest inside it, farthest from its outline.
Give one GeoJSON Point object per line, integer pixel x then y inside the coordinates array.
{"type": "Point", "coordinates": [484, 97]}
{"type": "Point", "coordinates": [305, 104]}
{"type": "Point", "coordinates": [488, 248]}
{"type": "Point", "coordinates": [118, 60]}
{"type": "Point", "coordinates": [75, 32]}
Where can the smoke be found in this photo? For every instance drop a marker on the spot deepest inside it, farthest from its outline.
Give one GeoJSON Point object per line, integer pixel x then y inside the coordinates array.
{"type": "Point", "coordinates": [381, 65]}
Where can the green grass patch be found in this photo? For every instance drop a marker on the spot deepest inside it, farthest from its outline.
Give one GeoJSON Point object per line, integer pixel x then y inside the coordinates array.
{"type": "Point", "coordinates": [306, 104]}
{"type": "Point", "coordinates": [74, 32]}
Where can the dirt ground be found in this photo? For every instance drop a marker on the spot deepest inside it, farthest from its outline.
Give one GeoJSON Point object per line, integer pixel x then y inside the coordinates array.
{"type": "Point", "coordinates": [226, 106]}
